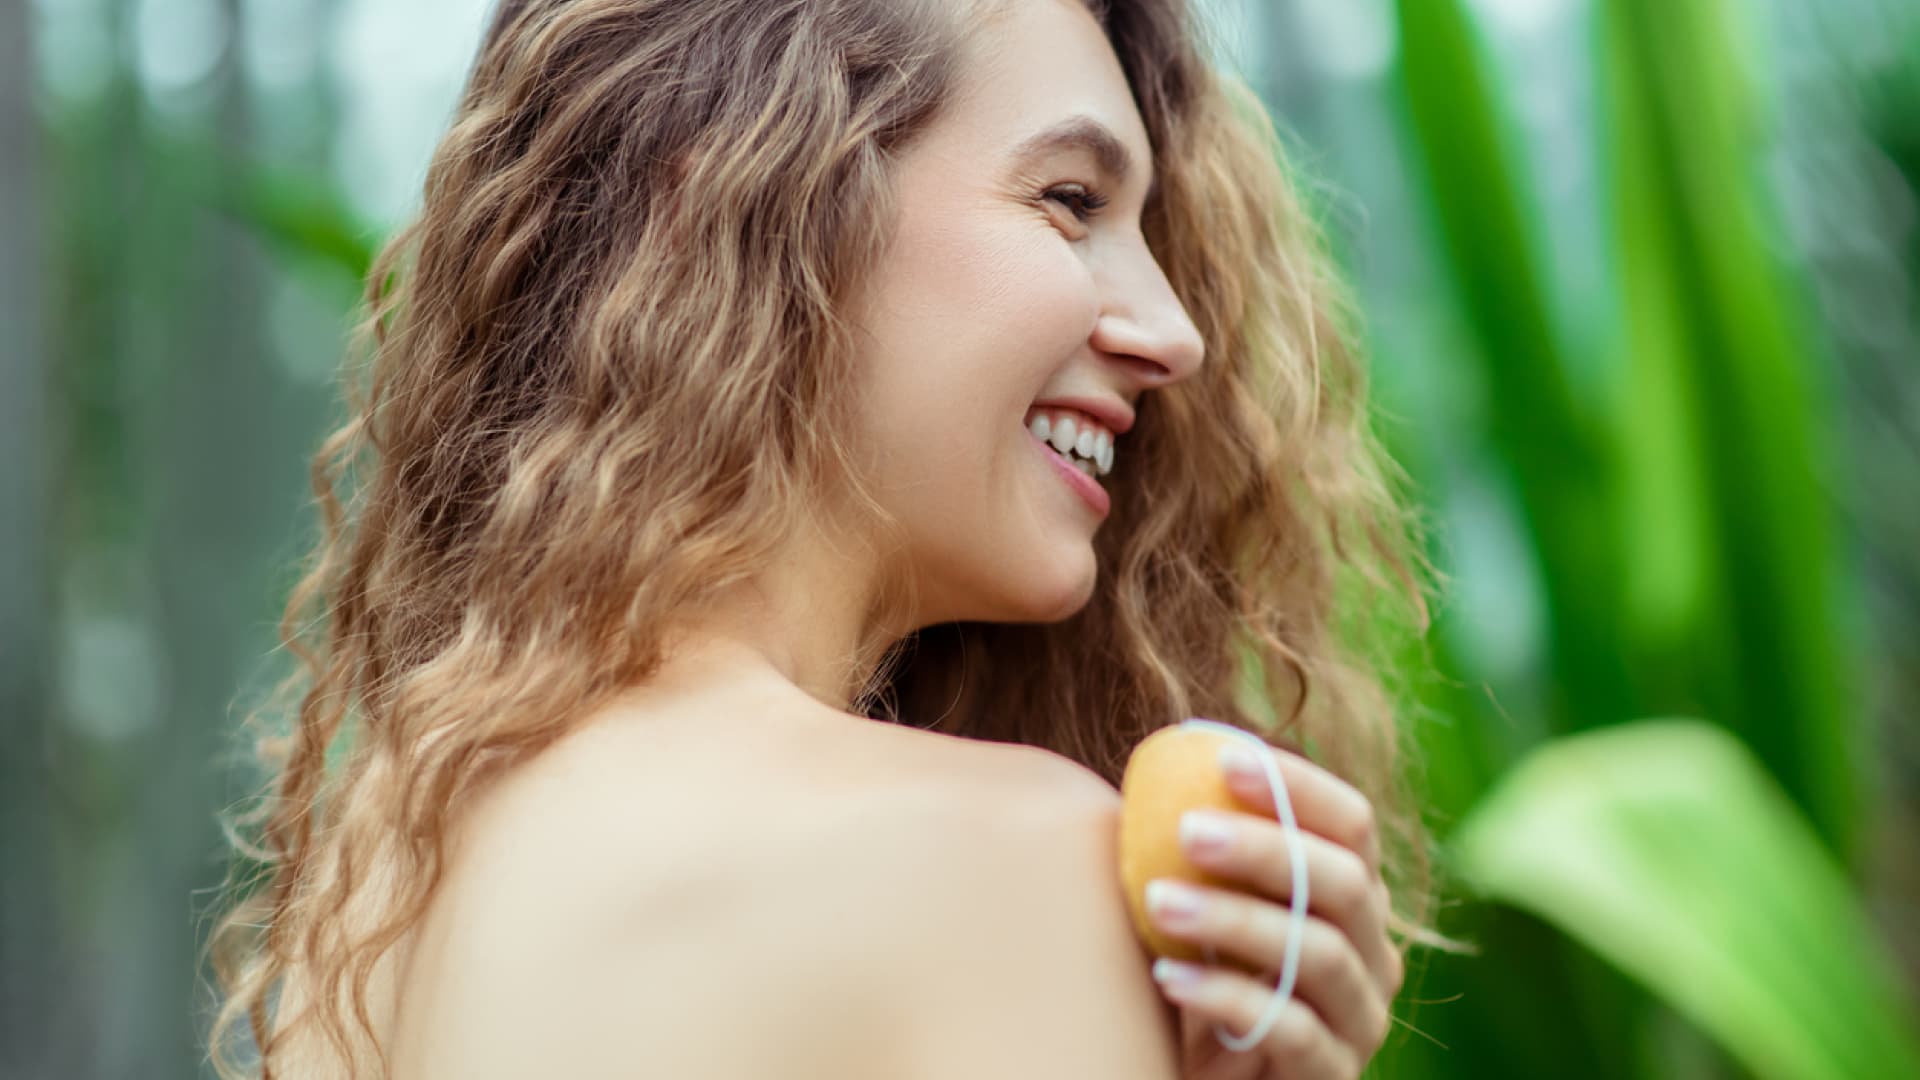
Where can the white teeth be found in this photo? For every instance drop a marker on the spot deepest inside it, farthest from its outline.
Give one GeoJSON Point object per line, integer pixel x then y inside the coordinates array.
{"type": "Point", "coordinates": [1085, 444]}
{"type": "Point", "coordinates": [1063, 435]}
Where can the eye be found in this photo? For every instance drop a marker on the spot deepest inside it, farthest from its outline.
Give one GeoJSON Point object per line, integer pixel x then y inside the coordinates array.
{"type": "Point", "coordinates": [1083, 201]}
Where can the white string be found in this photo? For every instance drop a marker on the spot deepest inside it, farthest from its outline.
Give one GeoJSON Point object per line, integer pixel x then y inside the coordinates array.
{"type": "Point", "coordinates": [1296, 925]}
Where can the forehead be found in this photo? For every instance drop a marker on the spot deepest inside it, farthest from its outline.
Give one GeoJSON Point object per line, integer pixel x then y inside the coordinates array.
{"type": "Point", "coordinates": [1037, 69]}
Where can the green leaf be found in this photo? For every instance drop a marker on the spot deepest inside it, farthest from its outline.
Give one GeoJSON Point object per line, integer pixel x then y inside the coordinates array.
{"type": "Point", "coordinates": [304, 218]}
{"type": "Point", "coordinates": [1667, 849]}
{"type": "Point", "coordinates": [1547, 438]}
{"type": "Point", "coordinates": [1732, 575]}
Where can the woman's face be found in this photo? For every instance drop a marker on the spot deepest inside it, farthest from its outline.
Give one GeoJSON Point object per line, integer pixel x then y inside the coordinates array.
{"type": "Point", "coordinates": [1018, 295]}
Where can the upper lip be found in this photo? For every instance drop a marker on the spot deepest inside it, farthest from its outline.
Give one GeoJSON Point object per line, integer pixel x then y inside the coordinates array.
{"type": "Point", "coordinates": [1116, 415]}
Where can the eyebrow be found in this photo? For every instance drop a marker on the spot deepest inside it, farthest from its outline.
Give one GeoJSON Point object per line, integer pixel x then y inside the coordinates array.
{"type": "Point", "coordinates": [1090, 135]}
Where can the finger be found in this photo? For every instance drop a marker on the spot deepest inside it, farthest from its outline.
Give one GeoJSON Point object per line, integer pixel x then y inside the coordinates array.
{"type": "Point", "coordinates": [1253, 851]}
{"type": "Point", "coordinates": [1322, 802]}
{"type": "Point", "coordinates": [1331, 977]}
{"type": "Point", "coordinates": [1298, 1044]}
{"type": "Point", "coordinates": [1202, 1057]}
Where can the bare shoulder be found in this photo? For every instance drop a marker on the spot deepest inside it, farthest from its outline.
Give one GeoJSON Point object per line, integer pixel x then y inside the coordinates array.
{"type": "Point", "coordinates": [1041, 974]}
{"type": "Point", "coordinates": [879, 903]}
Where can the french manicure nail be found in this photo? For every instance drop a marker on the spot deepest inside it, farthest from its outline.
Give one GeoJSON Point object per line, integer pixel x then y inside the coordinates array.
{"type": "Point", "coordinates": [1201, 831]}
{"type": "Point", "coordinates": [1172, 973]}
{"type": "Point", "coordinates": [1174, 903]}
{"type": "Point", "coordinates": [1240, 762]}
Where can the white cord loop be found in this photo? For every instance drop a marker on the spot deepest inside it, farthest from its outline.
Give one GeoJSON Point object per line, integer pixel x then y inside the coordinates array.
{"type": "Point", "coordinates": [1297, 924]}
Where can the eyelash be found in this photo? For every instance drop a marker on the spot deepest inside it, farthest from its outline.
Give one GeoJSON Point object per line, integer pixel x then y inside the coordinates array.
{"type": "Point", "coordinates": [1083, 201]}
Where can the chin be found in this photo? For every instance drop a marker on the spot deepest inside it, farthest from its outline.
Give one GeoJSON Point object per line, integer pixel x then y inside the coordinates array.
{"type": "Point", "coordinates": [1063, 592]}
{"type": "Point", "coordinates": [1052, 590]}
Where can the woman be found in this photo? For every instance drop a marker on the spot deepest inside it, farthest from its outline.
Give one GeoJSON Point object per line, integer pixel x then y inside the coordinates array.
{"type": "Point", "coordinates": [808, 443]}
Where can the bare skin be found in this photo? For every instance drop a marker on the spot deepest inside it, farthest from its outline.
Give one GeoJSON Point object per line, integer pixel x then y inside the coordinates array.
{"type": "Point", "coordinates": [728, 874]}
{"type": "Point", "coordinates": [756, 887]}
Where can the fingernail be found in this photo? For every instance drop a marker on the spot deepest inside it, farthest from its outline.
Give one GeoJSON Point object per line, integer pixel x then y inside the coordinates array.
{"type": "Point", "coordinates": [1174, 904]}
{"type": "Point", "coordinates": [1172, 973]}
{"type": "Point", "coordinates": [1240, 762]}
{"type": "Point", "coordinates": [1201, 831]}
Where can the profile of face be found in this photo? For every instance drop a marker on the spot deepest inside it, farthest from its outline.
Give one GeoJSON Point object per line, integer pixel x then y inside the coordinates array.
{"type": "Point", "coordinates": [1017, 321]}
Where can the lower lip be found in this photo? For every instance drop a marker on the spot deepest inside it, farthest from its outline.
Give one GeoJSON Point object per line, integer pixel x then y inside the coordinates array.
{"type": "Point", "coordinates": [1083, 485]}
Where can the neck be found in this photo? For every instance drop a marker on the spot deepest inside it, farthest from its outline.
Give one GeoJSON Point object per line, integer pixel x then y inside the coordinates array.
{"type": "Point", "coordinates": [809, 620]}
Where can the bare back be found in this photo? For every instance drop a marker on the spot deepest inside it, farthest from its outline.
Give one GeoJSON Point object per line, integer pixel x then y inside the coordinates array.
{"type": "Point", "coordinates": [668, 895]}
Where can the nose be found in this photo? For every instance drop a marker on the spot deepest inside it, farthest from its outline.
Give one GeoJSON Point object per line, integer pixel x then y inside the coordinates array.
{"type": "Point", "coordinates": [1144, 326]}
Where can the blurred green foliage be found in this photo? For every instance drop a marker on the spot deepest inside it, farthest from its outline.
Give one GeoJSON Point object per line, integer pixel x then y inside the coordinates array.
{"type": "Point", "coordinates": [1664, 847]}
{"type": "Point", "coordinates": [1638, 279]}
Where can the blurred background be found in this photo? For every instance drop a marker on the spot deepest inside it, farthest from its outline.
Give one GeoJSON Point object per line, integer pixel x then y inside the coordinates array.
{"type": "Point", "coordinates": [1638, 280]}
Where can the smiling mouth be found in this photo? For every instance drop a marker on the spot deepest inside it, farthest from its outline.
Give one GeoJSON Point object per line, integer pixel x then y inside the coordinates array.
{"type": "Point", "coordinates": [1078, 464]}
{"type": "Point", "coordinates": [1081, 440]}
{"type": "Point", "coordinates": [1078, 474]}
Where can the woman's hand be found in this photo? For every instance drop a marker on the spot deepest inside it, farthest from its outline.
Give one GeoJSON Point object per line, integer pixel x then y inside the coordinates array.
{"type": "Point", "coordinates": [1349, 971]}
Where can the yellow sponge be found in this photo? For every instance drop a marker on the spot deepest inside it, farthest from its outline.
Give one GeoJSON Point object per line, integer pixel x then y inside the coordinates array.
{"type": "Point", "coordinates": [1171, 771]}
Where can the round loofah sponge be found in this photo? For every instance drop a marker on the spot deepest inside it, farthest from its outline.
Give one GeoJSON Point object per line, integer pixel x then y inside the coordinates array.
{"type": "Point", "coordinates": [1171, 771]}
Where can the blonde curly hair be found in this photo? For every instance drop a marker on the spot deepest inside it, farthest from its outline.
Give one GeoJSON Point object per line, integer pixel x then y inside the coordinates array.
{"type": "Point", "coordinates": [609, 368]}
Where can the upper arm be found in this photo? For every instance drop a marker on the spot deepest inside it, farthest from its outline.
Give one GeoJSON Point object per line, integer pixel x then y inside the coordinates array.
{"type": "Point", "coordinates": [1040, 972]}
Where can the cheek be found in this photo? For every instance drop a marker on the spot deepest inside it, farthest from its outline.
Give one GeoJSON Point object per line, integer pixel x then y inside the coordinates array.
{"type": "Point", "coordinates": [972, 322]}
{"type": "Point", "coordinates": [1049, 305]}
{"type": "Point", "coordinates": [995, 274]}
{"type": "Point", "coordinates": [972, 326]}
{"type": "Point", "coordinates": [1037, 288]}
